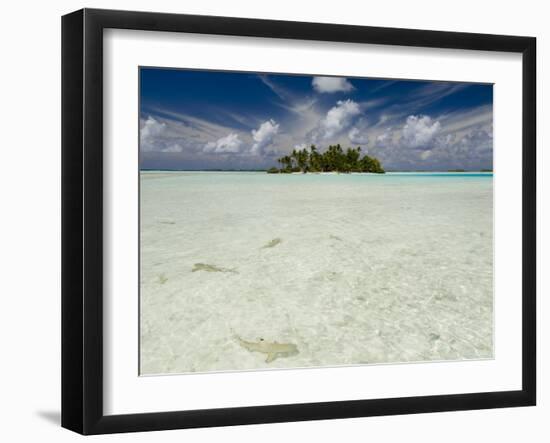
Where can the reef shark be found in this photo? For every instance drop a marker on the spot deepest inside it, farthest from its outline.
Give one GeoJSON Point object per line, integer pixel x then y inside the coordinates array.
{"type": "Point", "coordinates": [272, 243]}
{"type": "Point", "coordinates": [273, 350]}
{"type": "Point", "coordinates": [211, 268]}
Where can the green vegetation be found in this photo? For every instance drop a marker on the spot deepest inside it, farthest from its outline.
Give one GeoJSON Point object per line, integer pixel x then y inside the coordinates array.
{"type": "Point", "coordinates": [333, 159]}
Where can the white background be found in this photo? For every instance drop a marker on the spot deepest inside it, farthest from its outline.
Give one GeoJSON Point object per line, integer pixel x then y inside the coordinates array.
{"type": "Point", "coordinates": [30, 231]}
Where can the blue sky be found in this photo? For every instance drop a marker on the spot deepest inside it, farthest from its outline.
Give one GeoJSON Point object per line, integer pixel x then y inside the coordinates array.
{"type": "Point", "coordinates": [225, 120]}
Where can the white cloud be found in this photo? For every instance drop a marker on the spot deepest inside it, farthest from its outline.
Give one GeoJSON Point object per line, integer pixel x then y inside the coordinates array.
{"type": "Point", "coordinates": [173, 147]}
{"type": "Point", "coordinates": [331, 84]}
{"type": "Point", "coordinates": [358, 133]}
{"type": "Point", "coordinates": [151, 128]}
{"type": "Point", "coordinates": [231, 143]}
{"type": "Point", "coordinates": [357, 136]}
{"type": "Point", "coordinates": [263, 136]}
{"type": "Point", "coordinates": [469, 150]}
{"type": "Point", "coordinates": [385, 139]}
{"type": "Point", "coordinates": [479, 139]}
{"type": "Point", "coordinates": [419, 131]}
{"type": "Point", "coordinates": [338, 119]}
{"type": "Point", "coordinates": [424, 155]}
{"type": "Point", "coordinates": [154, 137]}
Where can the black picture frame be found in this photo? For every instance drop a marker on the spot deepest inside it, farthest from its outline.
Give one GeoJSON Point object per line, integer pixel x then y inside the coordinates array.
{"type": "Point", "coordinates": [82, 219]}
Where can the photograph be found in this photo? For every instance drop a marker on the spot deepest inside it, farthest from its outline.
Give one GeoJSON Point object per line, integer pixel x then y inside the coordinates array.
{"type": "Point", "coordinates": [294, 221]}
{"type": "Point", "coordinates": [279, 220]}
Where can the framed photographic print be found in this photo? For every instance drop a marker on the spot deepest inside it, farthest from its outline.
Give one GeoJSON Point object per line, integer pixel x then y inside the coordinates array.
{"type": "Point", "coordinates": [269, 221]}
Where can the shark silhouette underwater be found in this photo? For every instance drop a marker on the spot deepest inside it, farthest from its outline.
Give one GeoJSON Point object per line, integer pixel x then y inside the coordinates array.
{"type": "Point", "coordinates": [272, 350]}
{"type": "Point", "coordinates": [272, 243]}
{"type": "Point", "coordinates": [212, 268]}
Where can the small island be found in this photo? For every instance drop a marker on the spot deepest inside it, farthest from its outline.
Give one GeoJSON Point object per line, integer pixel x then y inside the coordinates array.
{"type": "Point", "coordinates": [334, 159]}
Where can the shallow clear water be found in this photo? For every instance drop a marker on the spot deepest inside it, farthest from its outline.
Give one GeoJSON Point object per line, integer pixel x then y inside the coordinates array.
{"type": "Point", "coordinates": [348, 269]}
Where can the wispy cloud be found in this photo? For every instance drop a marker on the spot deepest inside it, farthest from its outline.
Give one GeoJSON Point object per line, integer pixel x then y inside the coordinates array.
{"type": "Point", "coordinates": [281, 92]}
{"type": "Point", "coordinates": [467, 119]}
{"type": "Point", "coordinates": [383, 86]}
{"type": "Point", "coordinates": [418, 100]}
{"type": "Point", "coordinates": [186, 123]}
{"type": "Point", "coordinates": [288, 100]}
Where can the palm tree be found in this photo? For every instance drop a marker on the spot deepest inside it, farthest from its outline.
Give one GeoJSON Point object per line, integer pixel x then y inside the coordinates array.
{"type": "Point", "coordinates": [302, 158]}
{"type": "Point", "coordinates": [314, 159]}
{"type": "Point", "coordinates": [333, 159]}
{"type": "Point", "coordinates": [352, 158]}
{"type": "Point", "coordinates": [288, 162]}
{"type": "Point", "coordinates": [293, 158]}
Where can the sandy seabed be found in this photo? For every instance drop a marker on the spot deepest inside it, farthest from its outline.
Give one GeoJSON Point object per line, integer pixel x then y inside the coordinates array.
{"type": "Point", "coordinates": [247, 271]}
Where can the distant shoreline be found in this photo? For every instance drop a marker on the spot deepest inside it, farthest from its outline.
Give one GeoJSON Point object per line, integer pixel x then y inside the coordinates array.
{"type": "Point", "coordinates": [482, 171]}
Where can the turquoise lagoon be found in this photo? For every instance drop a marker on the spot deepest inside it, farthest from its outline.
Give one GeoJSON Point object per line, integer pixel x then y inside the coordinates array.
{"type": "Point", "coordinates": [342, 269]}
